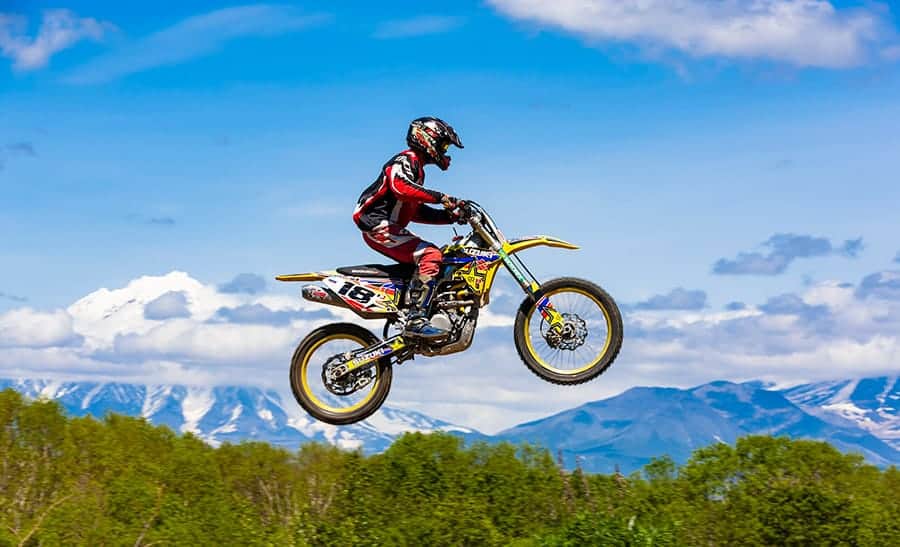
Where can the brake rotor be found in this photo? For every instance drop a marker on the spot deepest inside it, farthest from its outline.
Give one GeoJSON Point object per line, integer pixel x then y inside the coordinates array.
{"type": "Point", "coordinates": [570, 337]}
{"type": "Point", "coordinates": [348, 382]}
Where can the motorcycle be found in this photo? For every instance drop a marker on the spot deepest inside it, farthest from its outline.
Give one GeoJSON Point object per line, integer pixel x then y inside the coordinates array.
{"type": "Point", "coordinates": [567, 330]}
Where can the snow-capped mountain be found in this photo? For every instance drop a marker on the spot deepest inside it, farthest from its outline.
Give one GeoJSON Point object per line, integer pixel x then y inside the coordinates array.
{"type": "Point", "coordinates": [872, 404]}
{"type": "Point", "coordinates": [232, 414]}
{"type": "Point", "coordinates": [622, 432]}
{"type": "Point", "coordinates": [628, 430]}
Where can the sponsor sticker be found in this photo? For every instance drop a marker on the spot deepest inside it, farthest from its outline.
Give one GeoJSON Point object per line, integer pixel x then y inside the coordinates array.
{"type": "Point", "coordinates": [313, 292]}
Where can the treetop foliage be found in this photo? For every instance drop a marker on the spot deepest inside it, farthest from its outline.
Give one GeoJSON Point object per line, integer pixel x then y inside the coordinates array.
{"type": "Point", "coordinates": [122, 481]}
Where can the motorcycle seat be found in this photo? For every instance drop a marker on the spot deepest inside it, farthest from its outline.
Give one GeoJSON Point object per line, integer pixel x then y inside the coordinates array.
{"type": "Point", "coordinates": [394, 271]}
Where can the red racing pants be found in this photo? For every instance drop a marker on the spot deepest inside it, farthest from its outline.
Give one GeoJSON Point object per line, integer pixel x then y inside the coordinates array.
{"type": "Point", "coordinates": [407, 248]}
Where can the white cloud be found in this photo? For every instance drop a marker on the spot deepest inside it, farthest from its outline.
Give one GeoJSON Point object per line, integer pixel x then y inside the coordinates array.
{"type": "Point", "coordinates": [28, 328]}
{"type": "Point", "coordinates": [798, 32]}
{"type": "Point", "coordinates": [828, 332]}
{"type": "Point", "coordinates": [831, 330]}
{"type": "Point", "coordinates": [209, 343]}
{"type": "Point", "coordinates": [60, 29]}
{"type": "Point", "coordinates": [168, 306]}
{"type": "Point", "coordinates": [73, 364]}
{"type": "Point", "coordinates": [105, 314]}
{"type": "Point", "coordinates": [191, 38]}
{"type": "Point", "coordinates": [186, 324]}
{"type": "Point", "coordinates": [107, 334]}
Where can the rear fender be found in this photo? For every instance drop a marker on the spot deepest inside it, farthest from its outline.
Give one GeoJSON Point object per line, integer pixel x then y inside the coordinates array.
{"type": "Point", "coordinates": [311, 276]}
{"type": "Point", "coordinates": [369, 298]}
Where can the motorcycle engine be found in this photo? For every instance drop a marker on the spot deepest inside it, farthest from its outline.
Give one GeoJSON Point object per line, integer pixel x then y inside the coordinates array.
{"type": "Point", "coordinates": [457, 314]}
{"type": "Point", "coordinates": [442, 321]}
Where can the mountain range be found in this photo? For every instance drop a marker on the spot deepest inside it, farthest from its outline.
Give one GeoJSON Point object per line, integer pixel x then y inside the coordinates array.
{"type": "Point", "coordinates": [629, 429]}
{"type": "Point", "coordinates": [228, 413]}
{"type": "Point", "coordinates": [622, 432]}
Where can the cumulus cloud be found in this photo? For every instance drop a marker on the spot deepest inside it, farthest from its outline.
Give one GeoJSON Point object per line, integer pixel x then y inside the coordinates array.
{"type": "Point", "coordinates": [169, 328]}
{"type": "Point", "coordinates": [783, 250]}
{"type": "Point", "coordinates": [27, 328]}
{"type": "Point", "coordinates": [193, 37]}
{"type": "Point", "coordinates": [206, 344]}
{"type": "Point", "coordinates": [792, 304]}
{"type": "Point", "coordinates": [250, 314]}
{"type": "Point", "coordinates": [797, 32]}
{"type": "Point", "coordinates": [676, 299]}
{"type": "Point", "coordinates": [59, 30]}
{"type": "Point", "coordinates": [829, 330]}
{"type": "Point", "coordinates": [245, 283]}
{"type": "Point", "coordinates": [417, 26]}
{"type": "Point", "coordinates": [883, 285]}
{"type": "Point", "coordinates": [170, 305]}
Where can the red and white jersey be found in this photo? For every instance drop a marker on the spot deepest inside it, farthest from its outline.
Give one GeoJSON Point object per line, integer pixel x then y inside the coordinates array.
{"type": "Point", "coordinates": [398, 196]}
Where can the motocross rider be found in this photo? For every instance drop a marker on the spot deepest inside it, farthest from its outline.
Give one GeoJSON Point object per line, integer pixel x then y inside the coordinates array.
{"type": "Point", "coordinates": [397, 197]}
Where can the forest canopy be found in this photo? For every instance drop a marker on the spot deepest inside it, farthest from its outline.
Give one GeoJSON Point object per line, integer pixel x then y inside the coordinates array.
{"type": "Point", "coordinates": [122, 481]}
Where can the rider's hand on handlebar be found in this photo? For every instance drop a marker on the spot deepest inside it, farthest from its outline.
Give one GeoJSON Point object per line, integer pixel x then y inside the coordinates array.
{"type": "Point", "coordinates": [449, 202]}
{"type": "Point", "coordinates": [456, 207]}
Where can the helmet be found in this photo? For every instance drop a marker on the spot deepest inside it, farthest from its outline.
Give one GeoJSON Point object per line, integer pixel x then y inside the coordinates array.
{"type": "Point", "coordinates": [432, 137]}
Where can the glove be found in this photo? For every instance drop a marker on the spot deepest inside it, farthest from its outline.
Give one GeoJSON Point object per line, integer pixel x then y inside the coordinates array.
{"type": "Point", "coordinates": [459, 213]}
{"type": "Point", "coordinates": [449, 202]}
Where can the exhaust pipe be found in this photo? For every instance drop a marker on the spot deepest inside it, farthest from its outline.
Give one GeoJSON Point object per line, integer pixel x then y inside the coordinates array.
{"type": "Point", "coordinates": [322, 295]}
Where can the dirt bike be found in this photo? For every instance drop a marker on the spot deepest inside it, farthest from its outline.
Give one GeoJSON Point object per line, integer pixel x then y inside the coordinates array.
{"type": "Point", "coordinates": [567, 330]}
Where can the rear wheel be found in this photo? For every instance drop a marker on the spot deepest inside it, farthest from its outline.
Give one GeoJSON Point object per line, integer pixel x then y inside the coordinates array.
{"type": "Point", "coordinates": [589, 341]}
{"type": "Point", "coordinates": [338, 400]}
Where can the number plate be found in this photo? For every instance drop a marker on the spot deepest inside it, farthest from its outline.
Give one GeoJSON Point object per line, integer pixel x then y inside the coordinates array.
{"type": "Point", "coordinates": [368, 295]}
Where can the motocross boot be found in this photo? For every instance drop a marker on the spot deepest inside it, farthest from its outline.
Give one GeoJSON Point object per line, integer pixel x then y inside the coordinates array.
{"type": "Point", "coordinates": [418, 325]}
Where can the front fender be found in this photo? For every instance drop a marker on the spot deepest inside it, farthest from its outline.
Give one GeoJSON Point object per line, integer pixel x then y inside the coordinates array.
{"type": "Point", "coordinates": [513, 246]}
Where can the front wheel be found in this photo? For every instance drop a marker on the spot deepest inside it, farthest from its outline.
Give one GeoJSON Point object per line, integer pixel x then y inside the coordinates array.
{"type": "Point", "coordinates": [586, 345]}
{"type": "Point", "coordinates": [338, 400]}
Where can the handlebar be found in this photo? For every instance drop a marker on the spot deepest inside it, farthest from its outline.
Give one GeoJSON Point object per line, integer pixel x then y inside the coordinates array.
{"type": "Point", "coordinates": [466, 210]}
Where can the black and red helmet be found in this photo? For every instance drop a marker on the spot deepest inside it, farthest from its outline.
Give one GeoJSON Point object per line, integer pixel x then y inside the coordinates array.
{"type": "Point", "coordinates": [432, 137]}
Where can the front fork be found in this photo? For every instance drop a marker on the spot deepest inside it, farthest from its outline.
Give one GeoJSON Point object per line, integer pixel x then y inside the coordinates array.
{"type": "Point", "coordinates": [531, 287]}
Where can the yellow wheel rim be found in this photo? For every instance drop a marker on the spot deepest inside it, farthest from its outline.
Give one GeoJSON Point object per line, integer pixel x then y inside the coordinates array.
{"type": "Point", "coordinates": [542, 361]}
{"type": "Point", "coordinates": [304, 380]}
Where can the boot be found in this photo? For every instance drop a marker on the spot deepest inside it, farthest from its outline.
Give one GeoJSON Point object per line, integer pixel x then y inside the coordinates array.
{"type": "Point", "coordinates": [419, 295]}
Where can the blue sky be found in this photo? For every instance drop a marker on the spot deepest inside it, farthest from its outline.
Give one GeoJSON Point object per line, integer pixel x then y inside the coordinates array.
{"type": "Point", "coordinates": [227, 138]}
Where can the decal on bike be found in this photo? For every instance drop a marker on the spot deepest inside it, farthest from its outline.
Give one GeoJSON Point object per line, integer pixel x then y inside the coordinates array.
{"type": "Point", "coordinates": [368, 295]}
{"type": "Point", "coordinates": [316, 293]}
{"type": "Point", "coordinates": [374, 355]}
{"type": "Point", "coordinates": [356, 292]}
{"type": "Point", "coordinates": [475, 275]}
{"type": "Point", "coordinates": [517, 273]}
{"type": "Point", "coordinates": [481, 253]}
{"type": "Point", "coordinates": [549, 314]}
